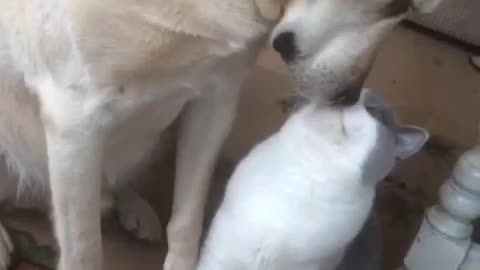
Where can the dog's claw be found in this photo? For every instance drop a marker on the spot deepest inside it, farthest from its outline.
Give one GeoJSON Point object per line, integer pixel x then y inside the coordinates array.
{"type": "Point", "coordinates": [137, 216]}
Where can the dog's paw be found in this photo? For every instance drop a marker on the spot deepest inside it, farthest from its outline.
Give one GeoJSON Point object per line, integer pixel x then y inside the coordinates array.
{"type": "Point", "coordinates": [138, 217]}
{"type": "Point", "coordinates": [6, 248]}
{"type": "Point", "coordinates": [180, 260]}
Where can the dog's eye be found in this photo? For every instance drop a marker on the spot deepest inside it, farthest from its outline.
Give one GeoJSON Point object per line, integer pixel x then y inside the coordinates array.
{"type": "Point", "coordinates": [396, 8]}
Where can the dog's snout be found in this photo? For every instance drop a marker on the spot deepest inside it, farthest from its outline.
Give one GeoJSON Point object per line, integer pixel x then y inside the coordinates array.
{"type": "Point", "coordinates": [284, 44]}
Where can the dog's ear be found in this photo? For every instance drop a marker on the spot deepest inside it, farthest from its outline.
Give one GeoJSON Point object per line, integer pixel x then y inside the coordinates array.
{"type": "Point", "coordinates": [271, 9]}
{"type": "Point", "coordinates": [425, 6]}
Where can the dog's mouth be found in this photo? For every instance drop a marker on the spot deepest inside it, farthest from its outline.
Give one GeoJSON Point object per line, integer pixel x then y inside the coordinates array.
{"type": "Point", "coordinates": [347, 97]}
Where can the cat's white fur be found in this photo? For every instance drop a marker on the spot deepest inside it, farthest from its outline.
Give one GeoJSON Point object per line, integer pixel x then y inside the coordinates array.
{"type": "Point", "coordinates": [300, 197]}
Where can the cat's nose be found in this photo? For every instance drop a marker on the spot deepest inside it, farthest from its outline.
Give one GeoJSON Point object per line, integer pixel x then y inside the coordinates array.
{"type": "Point", "coordinates": [284, 44]}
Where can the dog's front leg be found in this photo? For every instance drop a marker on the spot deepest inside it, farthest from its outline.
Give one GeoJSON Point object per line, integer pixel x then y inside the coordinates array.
{"type": "Point", "coordinates": [75, 146]}
{"type": "Point", "coordinates": [74, 167]}
{"type": "Point", "coordinates": [205, 125]}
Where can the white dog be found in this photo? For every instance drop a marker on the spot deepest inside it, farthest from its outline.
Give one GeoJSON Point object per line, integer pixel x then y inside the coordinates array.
{"type": "Point", "coordinates": [87, 88]}
{"type": "Point", "coordinates": [301, 196]}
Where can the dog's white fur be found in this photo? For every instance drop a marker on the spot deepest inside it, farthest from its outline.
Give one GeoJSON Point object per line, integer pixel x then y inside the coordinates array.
{"type": "Point", "coordinates": [300, 197]}
{"type": "Point", "coordinates": [86, 89]}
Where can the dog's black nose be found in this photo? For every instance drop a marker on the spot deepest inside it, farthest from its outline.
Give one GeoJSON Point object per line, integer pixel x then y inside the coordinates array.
{"type": "Point", "coordinates": [284, 44]}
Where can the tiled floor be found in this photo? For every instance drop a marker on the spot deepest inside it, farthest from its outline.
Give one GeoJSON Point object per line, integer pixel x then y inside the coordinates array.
{"type": "Point", "coordinates": [430, 83]}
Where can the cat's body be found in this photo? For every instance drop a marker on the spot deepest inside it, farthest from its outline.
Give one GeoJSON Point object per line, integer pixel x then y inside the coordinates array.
{"type": "Point", "coordinates": [365, 251]}
{"type": "Point", "coordinates": [300, 197]}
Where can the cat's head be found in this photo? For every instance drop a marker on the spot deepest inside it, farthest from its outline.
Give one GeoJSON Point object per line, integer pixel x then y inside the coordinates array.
{"type": "Point", "coordinates": [370, 126]}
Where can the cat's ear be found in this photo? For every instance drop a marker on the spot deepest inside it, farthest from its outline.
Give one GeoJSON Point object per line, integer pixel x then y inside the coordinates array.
{"type": "Point", "coordinates": [409, 140]}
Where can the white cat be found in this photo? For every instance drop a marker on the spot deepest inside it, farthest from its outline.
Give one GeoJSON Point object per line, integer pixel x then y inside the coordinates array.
{"type": "Point", "coordinates": [300, 197]}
